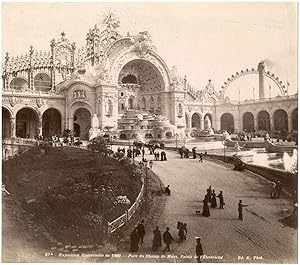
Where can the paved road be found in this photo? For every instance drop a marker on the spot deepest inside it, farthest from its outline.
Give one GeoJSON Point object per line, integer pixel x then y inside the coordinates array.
{"type": "Point", "coordinates": [259, 238]}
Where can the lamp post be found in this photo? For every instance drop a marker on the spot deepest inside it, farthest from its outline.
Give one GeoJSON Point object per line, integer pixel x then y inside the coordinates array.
{"type": "Point", "coordinates": [224, 149]}
{"type": "Point", "coordinates": [101, 209]}
{"type": "Point", "coordinates": [146, 182]}
{"type": "Point", "coordinates": [176, 136]}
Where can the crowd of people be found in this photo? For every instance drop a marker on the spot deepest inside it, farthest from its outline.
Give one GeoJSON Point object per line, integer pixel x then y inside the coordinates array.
{"type": "Point", "coordinates": [140, 150]}
{"type": "Point", "coordinates": [138, 233]}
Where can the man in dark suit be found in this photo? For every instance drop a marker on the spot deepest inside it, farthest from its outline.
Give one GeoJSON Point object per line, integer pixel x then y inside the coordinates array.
{"type": "Point", "coordinates": [220, 196]}
{"type": "Point", "coordinates": [199, 250]}
{"type": "Point", "coordinates": [167, 237]}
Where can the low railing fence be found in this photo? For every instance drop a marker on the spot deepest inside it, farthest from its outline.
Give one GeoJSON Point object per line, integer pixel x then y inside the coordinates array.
{"type": "Point", "coordinates": [124, 218]}
{"type": "Point", "coordinates": [20, 141]}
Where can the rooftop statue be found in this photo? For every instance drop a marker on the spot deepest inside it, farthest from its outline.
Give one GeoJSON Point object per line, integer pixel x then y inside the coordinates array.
{"type": "Point", "coordinates": [110, 21]}
{"type": "Point", "coordinates": [142, 43]}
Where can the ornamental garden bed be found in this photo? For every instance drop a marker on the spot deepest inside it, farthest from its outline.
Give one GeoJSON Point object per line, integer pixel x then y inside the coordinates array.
{"type": "Point", "coordinates": [71, 192]}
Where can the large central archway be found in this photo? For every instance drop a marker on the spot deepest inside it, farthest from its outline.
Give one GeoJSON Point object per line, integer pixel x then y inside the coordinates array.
{"type": "Point", "coordinates": [142, 72]}
{"type": "Point", "coordinates": [27, 123]}
{"type": "Point", "coordinates": [82, 123]}
{"type": "Point", "coordinates": [227, 122]}
{"type": "Point", "coordinates": [137, 79]}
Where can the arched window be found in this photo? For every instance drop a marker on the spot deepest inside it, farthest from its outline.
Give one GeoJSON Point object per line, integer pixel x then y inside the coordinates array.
{"type": "Point", "coordinates": [158, 102]}
{"type": "Point", "coordinates": [144, 103]}
{"type": "Point", "coordinates": [42, 82]}
{"type": "Point", "coordinates": [18, 84]}
{"type": "Point", "coordinates": [227, 122]}
{"type": "Point", "coordinates": [248, 122]}
{"type": "Point", "coordinates": [151, 103]}
{"type": "Point", "coordinates": [263, 121]}
{"type": "Point", "coordinates": [280, 120]}
{"type": "Point", "coordinates": [109, 108]}
{"type": "Point", "coordinates": [180, 110]}
{"type": "Point", "coordinates": [295, 120]}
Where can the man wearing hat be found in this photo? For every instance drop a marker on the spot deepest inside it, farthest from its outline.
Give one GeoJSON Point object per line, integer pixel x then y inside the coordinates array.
{"type": "Point", "coordinates": [199, 250]}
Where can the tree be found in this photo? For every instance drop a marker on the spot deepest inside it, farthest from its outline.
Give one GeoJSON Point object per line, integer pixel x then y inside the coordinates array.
{"type": "Point", "coordinates": [98, 144]}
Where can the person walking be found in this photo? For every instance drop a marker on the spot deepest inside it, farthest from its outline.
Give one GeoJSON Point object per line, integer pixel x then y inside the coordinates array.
{"type": "Point", "coordinates": [156, 243]}
{"type": "Point", "coordinates": [185, 230]}
{"type": "Point", "coordinates": [151, 164]}
{"type": "Point", "coordinates": [134, 240]}
{"type": "Point", "coordinates": [181, 234]}
{"type": "Point", "coordinates": [205, 211]}
{"type": "Point", "coordinates": [240, 209]}
{"type": "Point", "coordinates": [199, 250]}
{"type": "Point", "coordinates": [143, 152]}
{"type": "Point", "coordinates": [167, 237]}
{"type": "Point", "coordinates": [141, 231]}
{"type": "Point", "coordinates": [200, 157]}
{"type": "Point", "coordinates": [221, 198]}
{"type": "Point", "coordinates": [209, 193]}
{"type": "Point", "coordinates": [167, 190]}
{"type": "Point", "coordinates": [213, 199]}
{"type": "Point", "coordinates": [194, 152]}
{"type": "Point", "coordinates": [278, 188]}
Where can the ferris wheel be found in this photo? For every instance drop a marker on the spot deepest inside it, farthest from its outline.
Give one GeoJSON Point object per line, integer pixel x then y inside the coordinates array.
{"type": "Point", "coordinates": [282, 88]}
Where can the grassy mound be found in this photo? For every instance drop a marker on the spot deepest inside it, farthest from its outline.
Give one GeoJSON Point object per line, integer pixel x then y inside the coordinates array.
{"type": "Point", "coordinates": [71, 191]}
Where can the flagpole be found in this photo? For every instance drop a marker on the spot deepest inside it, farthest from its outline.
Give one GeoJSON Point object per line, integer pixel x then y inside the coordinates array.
{"type": "Point", "coordinates": [269, 91]}
{"type": "Point", "coordinates": [287, 88]}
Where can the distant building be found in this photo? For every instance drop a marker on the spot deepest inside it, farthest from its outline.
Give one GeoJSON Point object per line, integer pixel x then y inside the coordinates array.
{"type": "Point", "coordinates": [131, 90]}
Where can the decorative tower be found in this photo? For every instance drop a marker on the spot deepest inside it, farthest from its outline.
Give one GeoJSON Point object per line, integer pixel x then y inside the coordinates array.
{"type": "Point", "coordinates": [261, 69]}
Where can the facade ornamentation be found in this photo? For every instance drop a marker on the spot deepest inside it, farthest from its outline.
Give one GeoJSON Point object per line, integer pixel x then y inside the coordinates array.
{"type": "Point", "coordinates": [125, 83]}
{"type": "Point", "coordinates": [142, 43]}
{"type": "Point", "coordinates": [79, 94]}
{"type": "Point", "coordinates": [40, 102]}
{"type": "Point", "coordinates": [12, 101]}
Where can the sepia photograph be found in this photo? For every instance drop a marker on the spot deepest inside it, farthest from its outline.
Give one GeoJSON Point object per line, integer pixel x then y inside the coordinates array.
{"type": "Point", "coordinates": [150, 132]}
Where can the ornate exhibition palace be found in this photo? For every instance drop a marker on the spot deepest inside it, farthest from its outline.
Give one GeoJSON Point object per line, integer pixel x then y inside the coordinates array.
{"type": "Point", "coordinates": [119, 84]}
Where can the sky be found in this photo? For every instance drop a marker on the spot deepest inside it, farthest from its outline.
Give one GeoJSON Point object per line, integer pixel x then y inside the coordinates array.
{"type": "Point", "coordinates": [203, 40]}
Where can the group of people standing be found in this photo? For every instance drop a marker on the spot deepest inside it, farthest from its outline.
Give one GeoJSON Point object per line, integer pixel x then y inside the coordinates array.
{"type": "Point", "coordinates": [137, 236]}
{"type": "Point", "coordinates": [138, 233]}
{"type": "Point", "coordinates": [211, 198]}
{"type": "Point", "coordinates": [185, 153]}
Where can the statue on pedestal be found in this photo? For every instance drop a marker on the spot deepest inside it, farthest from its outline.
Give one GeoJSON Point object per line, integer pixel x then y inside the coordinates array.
{"type": "Point", "coordinates": [207, 126]}
{"type": "Point", "coordinates": [94, 131]}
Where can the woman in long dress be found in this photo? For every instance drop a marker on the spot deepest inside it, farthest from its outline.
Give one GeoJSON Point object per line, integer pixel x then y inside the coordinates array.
{"type": "Point", "coordinates": [134, 241]}
{"type": "Point", "coordinates": [156, 243]}
{"type": "Point", "coordinates": [205, 212]}
{"type": "Point", "coordinates": [213, 200]}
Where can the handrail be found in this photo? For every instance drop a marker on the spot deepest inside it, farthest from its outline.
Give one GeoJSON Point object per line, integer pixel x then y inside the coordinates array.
{"type": "Point", "coordinates": [124, 218]}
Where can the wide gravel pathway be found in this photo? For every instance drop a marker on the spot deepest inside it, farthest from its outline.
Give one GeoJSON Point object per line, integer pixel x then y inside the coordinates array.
{"type": "Point", "coordinates": [260, 238]}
